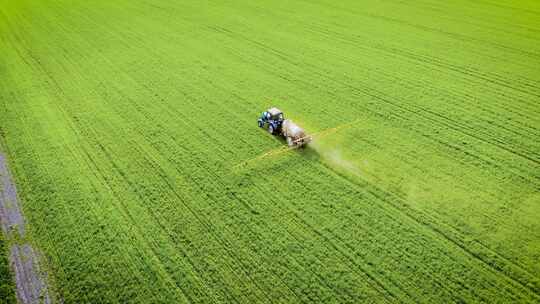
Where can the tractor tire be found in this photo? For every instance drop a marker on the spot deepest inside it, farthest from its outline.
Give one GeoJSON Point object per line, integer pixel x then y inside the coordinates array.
{"type": "Point", "coordinates": [290, 141]}
{"type": "Point", "coordinates": [271, 129]}
{"type": "Point", "coordinates": [260, 123]}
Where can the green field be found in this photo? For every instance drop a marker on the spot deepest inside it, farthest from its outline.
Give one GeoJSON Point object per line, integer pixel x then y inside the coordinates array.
{"type": "Point", "coordinates": [7, 290]}
{"type": "Point", "coordinates": [130, 128]}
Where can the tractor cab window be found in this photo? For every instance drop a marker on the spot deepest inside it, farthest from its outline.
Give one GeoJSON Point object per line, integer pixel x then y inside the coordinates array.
{"type": "Point", "coordinates": [278, 117]}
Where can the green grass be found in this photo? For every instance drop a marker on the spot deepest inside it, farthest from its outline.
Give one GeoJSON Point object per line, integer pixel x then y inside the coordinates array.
{"type": "Point", "coordinates": [124, 120]}
{"type": "Point", "coordinates": [7, 287]}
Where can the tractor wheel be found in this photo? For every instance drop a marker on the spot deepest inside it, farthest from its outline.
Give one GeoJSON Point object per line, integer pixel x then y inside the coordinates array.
{"type": "Point", "coordinates": [290, 141]}
{"type": "Point", "coordinates": [261, 124]}
{"type": "Point", "coordinates": [271, 129]}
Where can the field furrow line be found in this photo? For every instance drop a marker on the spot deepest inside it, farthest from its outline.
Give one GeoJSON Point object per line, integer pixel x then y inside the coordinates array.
{"type": "Point", "coordinates": [360, 45]}
{"type": "Point", "coordinates": [433, 116]}
{"type": "Point", "coordinates": [300, 223]}
{"type": "Point", "coordinates": [486, 24]}
{"type": "Point", "coordinates": [334, 237]}
{"type": "Point", "coordinates": [392, 200]}
{"type": "Point", "coordinates": [368, 91]}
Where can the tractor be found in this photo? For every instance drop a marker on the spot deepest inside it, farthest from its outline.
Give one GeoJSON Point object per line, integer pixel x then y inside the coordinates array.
{"type": "Point", "coordinates": [277, 125]}
{"type": "Point", "coordinates": [273, 117]}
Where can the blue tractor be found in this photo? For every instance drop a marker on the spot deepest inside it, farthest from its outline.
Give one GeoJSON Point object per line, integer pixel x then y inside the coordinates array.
{"type": "Point", "coordinates": [273, 117]}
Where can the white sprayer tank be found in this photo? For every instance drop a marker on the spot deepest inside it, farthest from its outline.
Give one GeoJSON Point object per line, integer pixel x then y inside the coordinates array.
{"type": "Point", "coordinates": [294, 135]}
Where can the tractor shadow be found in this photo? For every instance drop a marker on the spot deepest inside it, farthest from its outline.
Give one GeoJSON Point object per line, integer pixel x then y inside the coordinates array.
{"type": "Point", "coordinates": [279, 158]}
{"type": "Point", "coordinates": [308, 152]}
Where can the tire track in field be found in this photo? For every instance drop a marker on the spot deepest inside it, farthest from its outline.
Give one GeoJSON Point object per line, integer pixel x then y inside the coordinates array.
{"type": "Point", "coordinates": [492, 162]}
{"type": "Point", "coordinates": [457, 36]}
{"type": "Point", "coordinates": [149, 243]}
{"type": "Point", "coordinates": [423, 219]}
{"type": "Point", "coordinates": [337, 236]}
{"type": "Point", "coordinates": [460, 37]}
{"type": "Point", "coordinates": [480, 23]}
{"type": "Point", "coordinates": [455, 147]}
{"type": "Point", "coordinates": [439, 175]}
{"type": "Point", "coordinates": [169, 185]}
{"type": "Point", "coordinates": [129, 217]}
{"type": "Point", "coordinates": [224, 247]}
{"type": "Point", "coordinates": [355, 35]}
{"type": "Point", "coordinates": [450, 92]}
{"type": "Point", "coordinates": [345, 252]}
{"type": "Point", "coordinates": [507, 7]}
{"type": "Point", "coordinates": [373, 282]}
{"type": "Point", "coordinates": [150, 211]}
{"type": "Point", "coordinates": [427, 60]}
{"type": "Point", "coordinates": [449, 176]}
{"type": "Point", "coordinates": [172, 188]}
{"type": "Point", "coordinates": [443, 120]}
{"type": "Point", "coordinates": [336, 35]}
{"type": "Point", "coordinates": [339, 247]}
{"type": "Point", "coordinates": [492, 12]}
{"type": "Point", "coordinates": [491, 78]}
{"type": "Point", "coordinates": [435, 118]}
{"type": "Point", "coordinates": [478, 186]}
{"type": "Point", "coordinates": [412, 85]}
{"type": "Point", "coordinates": [372, 235]}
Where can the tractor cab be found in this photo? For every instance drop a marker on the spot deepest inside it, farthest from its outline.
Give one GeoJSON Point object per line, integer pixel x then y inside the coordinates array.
{"type": "Point", "coordinates": [275, 114]}
{"type": "Point", "coordinates": [274, 118]}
